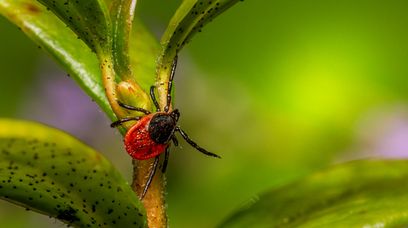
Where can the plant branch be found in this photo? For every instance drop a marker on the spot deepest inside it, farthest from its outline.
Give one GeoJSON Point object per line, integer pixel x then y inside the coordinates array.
{"type": "Point", "coordinates": [130, 92]}
{"type": "Point", "coordinates": [154, 200]}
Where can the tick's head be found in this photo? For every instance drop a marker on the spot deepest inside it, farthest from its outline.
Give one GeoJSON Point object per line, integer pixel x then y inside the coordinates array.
{"type": "Point", "coordinates": [162, 125]}
{"type": "Point", "coordinates": [175, 114]}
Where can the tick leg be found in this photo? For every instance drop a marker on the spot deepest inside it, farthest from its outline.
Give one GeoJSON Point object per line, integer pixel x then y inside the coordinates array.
{"type": "Point", "coordinates": [174, 139]}
{"type": "Point", "coordinates": [151, 175]}
{"type": "Point", "coordinates": [170, 83]}
{"type": "Point", "coordinates": [133, 108]}
{"type": "Point", "coordinates": [193, 144]}
{"type": "Point", "coordinates": [119, 122]}
{"type": "Point", "coordinates": [154, 98]}
{"type": "Point", "coordinates": [166, 159]}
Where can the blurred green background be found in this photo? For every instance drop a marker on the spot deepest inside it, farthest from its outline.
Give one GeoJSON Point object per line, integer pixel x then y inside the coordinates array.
{"type": "Point", "coordinates": [277, 88]}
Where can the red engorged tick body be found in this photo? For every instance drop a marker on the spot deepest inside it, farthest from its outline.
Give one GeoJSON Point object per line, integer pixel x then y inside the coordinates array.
{"type": "Point", "coordinates": [153, 133]}
{"type": "Point", "coordinates": [138, 142]}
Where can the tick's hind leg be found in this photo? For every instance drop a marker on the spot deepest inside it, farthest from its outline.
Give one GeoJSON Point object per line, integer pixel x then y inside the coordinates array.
{"type": "Point", "coordinates": [154, 98]}
{"type": "Point", "coordinates": [193, 144]}
{"type": "Point", "coordinates": [166, 159]}
{"type": "Point", "coordinates": [174, 139]}
{"type": "Point", "coordinates": [170, 84]}
{"type": "Point", "coordinates": [119, 122]}
{"type": "Point", "coordinates": [151, 175]}
{"type": "Point", "coordinates": [167, 154]}
{"type": "Point", "coordinates": [129, 107]}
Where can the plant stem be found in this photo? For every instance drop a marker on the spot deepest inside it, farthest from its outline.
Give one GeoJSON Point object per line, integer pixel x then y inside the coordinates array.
{"type": "Point", "coordinates": [154, 200]}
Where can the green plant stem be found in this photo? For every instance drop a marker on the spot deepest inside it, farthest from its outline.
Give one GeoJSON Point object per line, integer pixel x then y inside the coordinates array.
{"type": "Point", "coordinates": [154, 200]}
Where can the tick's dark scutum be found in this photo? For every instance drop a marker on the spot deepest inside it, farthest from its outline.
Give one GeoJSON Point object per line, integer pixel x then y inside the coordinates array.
{"type": "Point", "coordinates": [161, 128]}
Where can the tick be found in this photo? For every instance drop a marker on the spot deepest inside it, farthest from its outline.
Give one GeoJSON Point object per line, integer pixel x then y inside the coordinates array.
{"type": "Point", "coordinates": [153, 133]}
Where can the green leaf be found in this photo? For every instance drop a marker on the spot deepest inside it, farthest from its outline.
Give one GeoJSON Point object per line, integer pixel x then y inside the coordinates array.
{"type": "Point", "coordinates": [82, 64]}
{"type": "Point", "coordinates": [142, 56]}
{"type": "Point", "coordinates": [189, 19]}
{"type": "Point", "coordinates": [145, 49]}
{"type": "Point", "coordinates": [122, 12]}
{"type": "Point", "coordinates": [88, 19]}
{"type": "Point", "coordinates": [355, 194]}
{"type": "Point", "coordinates": [51, 172]}
{"type": "Point", "coordinates": [135, 66]}
{"type": "Point", "coordinates": [50, 33]}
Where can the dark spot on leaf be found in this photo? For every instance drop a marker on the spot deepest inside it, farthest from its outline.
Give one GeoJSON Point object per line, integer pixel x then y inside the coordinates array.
{"type": "Point", "coordinates": [68, 215]}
